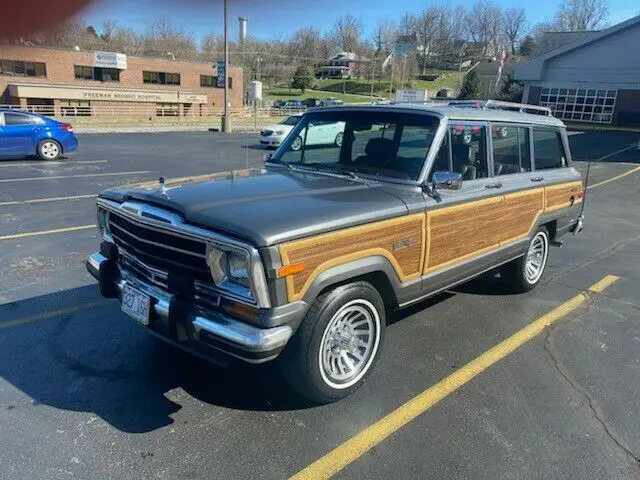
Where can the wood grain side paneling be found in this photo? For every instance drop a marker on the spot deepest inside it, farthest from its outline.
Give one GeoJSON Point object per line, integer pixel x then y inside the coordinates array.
{"type": "Point", "coordinates": [519, 214]}
{"type": "Point", "coordinates": [400, 240]}
{"type": "Point", "coordinates": [559, 196]}
{"type": "Point", "coordinates": [460, 231]}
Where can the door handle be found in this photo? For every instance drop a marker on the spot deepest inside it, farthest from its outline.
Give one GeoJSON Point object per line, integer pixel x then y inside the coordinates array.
{"type": "Point", "coordinates": [537, 179]}
{"type": "Point", "coordinates": [493, 185]}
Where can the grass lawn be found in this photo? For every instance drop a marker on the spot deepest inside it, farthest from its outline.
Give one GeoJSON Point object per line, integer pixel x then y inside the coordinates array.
{"type": "Point", "coordinates": [450, 79]}
{"type": "Point", "coordinates": [271, 95]}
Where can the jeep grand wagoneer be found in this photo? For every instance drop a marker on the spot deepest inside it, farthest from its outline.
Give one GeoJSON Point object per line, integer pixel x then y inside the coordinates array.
{"type": "Point", "coordinates": [301, 260]}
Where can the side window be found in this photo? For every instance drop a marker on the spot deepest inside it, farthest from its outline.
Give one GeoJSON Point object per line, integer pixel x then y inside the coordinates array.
{"type": "Point", "coordinates": [510, 149]}
{"type": "Point", "coordinates": [442, 161]}
{"type": "Point", "coordinates": [362, 138]}
{"type": "Point", "coordinates": [19, 119]}
{"type": "Point", "coordinates": [548, 149]}
{"type": "Point", "coordinates": [468, 151]}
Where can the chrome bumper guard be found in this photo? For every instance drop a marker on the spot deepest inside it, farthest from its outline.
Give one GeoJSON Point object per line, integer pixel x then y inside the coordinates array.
{"type": "Point", "coordinates": [232, 337]}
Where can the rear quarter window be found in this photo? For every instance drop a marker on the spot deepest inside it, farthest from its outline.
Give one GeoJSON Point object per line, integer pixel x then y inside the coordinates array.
{"type": "Point", "coordinates": [548, 149]}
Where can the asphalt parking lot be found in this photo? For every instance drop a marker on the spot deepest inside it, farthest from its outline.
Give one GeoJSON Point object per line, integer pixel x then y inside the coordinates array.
{"type": "Point", "coordinates": [86, 393]}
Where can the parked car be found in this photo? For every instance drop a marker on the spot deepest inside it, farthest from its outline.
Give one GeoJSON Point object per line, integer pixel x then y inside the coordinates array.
{"type": "Point", "coordinates": [293, 105]}
{"type": "Point", "coordinates": [311, 102]}
{"type": "Point", "coordinates": [301, 260]}
{"type": "Point", "coordinates": [23, 134]}
{"type": "Point", "coordinates": [380, 101]}
{"type": "Point", "coordinates": [330, 101]}
{"type": "Point", "coordinates": [279, 103]}
{"type": "Point", "coordinates": [317, 133]}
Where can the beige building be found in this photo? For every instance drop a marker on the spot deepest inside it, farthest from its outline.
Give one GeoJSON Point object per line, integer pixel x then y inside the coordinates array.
{"type": "Point", "coordinates": [81, 83]}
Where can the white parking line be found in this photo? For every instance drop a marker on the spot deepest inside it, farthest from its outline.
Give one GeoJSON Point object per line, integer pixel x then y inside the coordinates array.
{"type": "Point", "coordinates": [62, 177]}
{"type": "Point", "coordinates": [16, 236]}
{"type": "Point", "coordinates": [44, 200]}
{"type": "Point", "coordinates": [616, 153]}
{"type": "Point", "coordinates": [46, 164]}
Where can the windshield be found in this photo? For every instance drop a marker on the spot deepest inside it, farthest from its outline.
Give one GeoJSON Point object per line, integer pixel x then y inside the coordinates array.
{"type": "Point", "coordinates": [290, 120]}
{"type": "Point", "coordinates": [381, 143]}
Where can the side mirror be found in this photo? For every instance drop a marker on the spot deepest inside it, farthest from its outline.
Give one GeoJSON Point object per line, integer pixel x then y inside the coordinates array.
{"type": "Point", "coordinates": [266, 157]}
{"type": "Point", "coordinates": [448, 180]}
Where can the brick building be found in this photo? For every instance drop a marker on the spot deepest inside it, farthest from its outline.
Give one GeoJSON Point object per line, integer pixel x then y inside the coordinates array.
{"type": "Point", "coordinates": [86, 83]}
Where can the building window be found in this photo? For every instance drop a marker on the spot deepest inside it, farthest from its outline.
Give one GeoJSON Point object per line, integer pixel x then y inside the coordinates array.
{"type": "Point", "coordinates": [208, 81]}
{"type": "Point", "coordinates": [22, 69]}
{"type": "Point", "coordinates": [161, 78]}
{"type": "Point", "coordinates": [97, 73]}
{"type": "Point", "coordinates": [211, 81]}
{"type": "Point", "coordinates": [580, 105]}
{"type": "Point", "coordinates": [75, 109]}
{"type": "Point", "coordinates": [167, 110]}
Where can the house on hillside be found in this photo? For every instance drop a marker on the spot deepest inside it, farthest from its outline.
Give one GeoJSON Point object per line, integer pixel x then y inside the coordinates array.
{"type": "Point", "coordinates": [345, 65]}
{"type": "Point", "coordinates": [595, 79]}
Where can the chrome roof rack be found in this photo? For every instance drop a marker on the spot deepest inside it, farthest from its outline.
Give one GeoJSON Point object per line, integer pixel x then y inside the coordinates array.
{"type": "Point", "coordinates": [500, 105]}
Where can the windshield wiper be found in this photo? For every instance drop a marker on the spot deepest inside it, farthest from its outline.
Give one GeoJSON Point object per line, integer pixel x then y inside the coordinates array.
{"type": "Point", "coordinates": [280, 163]}
{"type": "Point", "coordinates": [334, 169]}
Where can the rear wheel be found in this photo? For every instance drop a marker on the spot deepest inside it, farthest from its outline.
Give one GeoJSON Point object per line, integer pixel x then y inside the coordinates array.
{"type": "Point", "coordinates": [337, 344]}
{"type": "Point", "coordinates": [338, 140]}
{"type": "Point", "coordinates": [49, 149]}
{"type": "Point", "coordinates": [524, 273]}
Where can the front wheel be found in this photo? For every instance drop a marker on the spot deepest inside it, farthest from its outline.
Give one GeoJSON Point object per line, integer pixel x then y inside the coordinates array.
{"type": "Point", "coordinates": [49, 150]}
{"type": "Point", "coordinates": [338, 140]}
{"type": "Point", "coordinates": [296, 144]}
{"type": "Point", "coordinates": [337, 344]}
{"type": "Point", "coordinates": [524, 273]}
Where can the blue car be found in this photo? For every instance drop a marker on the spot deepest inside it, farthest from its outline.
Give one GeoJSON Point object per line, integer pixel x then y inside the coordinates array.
{"type": "Point", "coordinates": [23, 134]}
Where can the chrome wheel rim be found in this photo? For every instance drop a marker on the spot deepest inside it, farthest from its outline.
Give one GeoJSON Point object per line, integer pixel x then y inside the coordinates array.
{"type": "Point", "coordinates": [536, 258]}
{"type": "Point", "coordinates": [296, 144]}
{"type": "Point", "coordinates": [49, 150]}
{"type": "Point", "coordinates": [339, 139]}
{"type": "Point", "coordinates": [349, 344]}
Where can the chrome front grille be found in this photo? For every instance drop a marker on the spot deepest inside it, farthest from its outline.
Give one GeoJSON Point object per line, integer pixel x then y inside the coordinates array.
{"type": "Point", "coordinates": [159, 248]}
{"type": "Point", "coordinates": [204, 295]}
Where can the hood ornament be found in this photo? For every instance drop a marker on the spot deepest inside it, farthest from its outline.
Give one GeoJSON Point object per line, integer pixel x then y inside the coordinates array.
{"type": "Point", "coordinates": [163, 187]}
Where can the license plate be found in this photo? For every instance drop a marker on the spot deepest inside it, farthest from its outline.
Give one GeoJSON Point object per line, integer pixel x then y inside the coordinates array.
{"type": "Point", "coordinates": [136, 304]}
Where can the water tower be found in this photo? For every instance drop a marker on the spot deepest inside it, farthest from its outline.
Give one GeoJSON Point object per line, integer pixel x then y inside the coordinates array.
{"type": "Point", "coordinates": [242, 31]}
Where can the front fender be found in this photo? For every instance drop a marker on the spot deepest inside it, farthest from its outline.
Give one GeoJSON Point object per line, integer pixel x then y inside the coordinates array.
{"type": "Point", "coordinates": [349, 271]}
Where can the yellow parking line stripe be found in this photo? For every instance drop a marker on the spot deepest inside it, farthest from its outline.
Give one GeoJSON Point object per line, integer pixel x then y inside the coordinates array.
{"type": "Point", "coordinates": [46, 164]}
{"type": "Point", "coordinates": [601, 285]}
{"type": "Point", "coordinates": [84, 175]}
{"type": "Point", "coordinates": [364, 441]}
{"type": "Point", "coordinates": [43, 200]}
{"type": "Point", "coordinates": [617, 177]}
{"type": "Point", "coordinates": [51, 314]}
{"type": "Point", "coordinates": [16, 236]}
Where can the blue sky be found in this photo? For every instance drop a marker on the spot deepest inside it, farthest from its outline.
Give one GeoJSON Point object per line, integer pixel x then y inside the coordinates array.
{"type": "Point", "coordinates": [281, 17]}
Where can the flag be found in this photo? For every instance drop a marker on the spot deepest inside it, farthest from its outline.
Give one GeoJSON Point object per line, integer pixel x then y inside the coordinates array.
{"type": "Point", "coordinates": [503, 58]}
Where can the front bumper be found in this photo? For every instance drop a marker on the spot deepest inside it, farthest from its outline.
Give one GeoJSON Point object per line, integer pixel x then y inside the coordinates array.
{"type": "Point", "coordinates": [271, 141]}
{"type": "Point", "coordinates": [175, 320]}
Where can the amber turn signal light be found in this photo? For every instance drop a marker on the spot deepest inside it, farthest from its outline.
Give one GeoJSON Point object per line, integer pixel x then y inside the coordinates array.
{"type": "Point", "coordinates": [288, 270]}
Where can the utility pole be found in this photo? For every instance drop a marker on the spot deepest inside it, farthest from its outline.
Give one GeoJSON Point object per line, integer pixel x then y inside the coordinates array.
{"type": "Point", "coordinates": [373, 69]}
{"type": "Point", "coordinates": [226, 124]}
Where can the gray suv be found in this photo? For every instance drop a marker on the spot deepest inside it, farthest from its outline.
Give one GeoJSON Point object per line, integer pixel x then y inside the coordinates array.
{"type": "Point", "coordinates": [301, 260]}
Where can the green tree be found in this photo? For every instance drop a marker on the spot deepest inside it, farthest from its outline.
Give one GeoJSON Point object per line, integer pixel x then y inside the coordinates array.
{"type": "Point", "coordinates": [527, 46]}
{"type": "Point", "coordinates": [470, 86]}
{"type": "Point", "coordinates": [303, 78]}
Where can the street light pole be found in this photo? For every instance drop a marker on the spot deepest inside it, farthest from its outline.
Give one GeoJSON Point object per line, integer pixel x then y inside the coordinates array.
{"type": "Point", "coordinates": [225, 119]}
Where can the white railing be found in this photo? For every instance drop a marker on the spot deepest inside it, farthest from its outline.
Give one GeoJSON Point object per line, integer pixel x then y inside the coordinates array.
{"type": "Point", "coordinates": [97, 111]}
